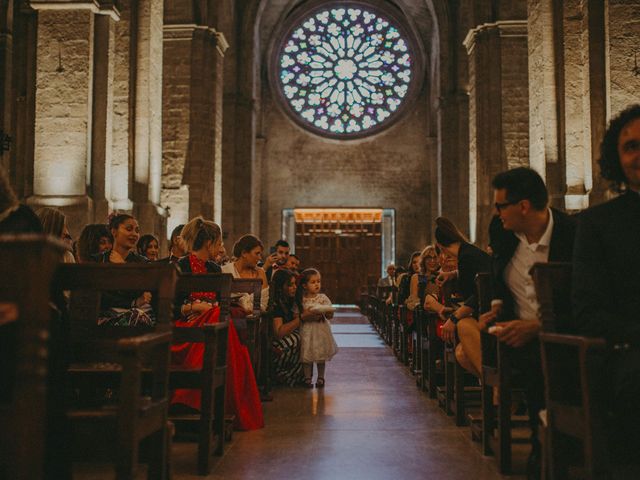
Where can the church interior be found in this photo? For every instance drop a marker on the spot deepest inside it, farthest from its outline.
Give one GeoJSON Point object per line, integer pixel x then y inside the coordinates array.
{"type": "Point", "coordinates": [309, 178]}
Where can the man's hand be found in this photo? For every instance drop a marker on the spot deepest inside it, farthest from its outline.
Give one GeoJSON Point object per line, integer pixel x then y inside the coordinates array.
{"type": "Point", "coordinates": [444, 277]}
{"type": "Point", "coordinates": [489, 317]}
{"type": "Point", "coordinates": [270, 260]}
{"type": "Point", "coordinates": [518, 333]}
{"type": "Point", "coordinates": [444, 312]}
{"type": "Point", "coordinates": [449, 331]}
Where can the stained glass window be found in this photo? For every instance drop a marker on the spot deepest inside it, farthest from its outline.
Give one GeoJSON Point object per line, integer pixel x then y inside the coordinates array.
{"type": "Point", "coordinates": [345, 71]}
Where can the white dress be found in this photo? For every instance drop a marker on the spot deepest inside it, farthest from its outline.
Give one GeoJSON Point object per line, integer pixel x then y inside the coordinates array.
{"type": "Point", "coordinates": [317, 342]}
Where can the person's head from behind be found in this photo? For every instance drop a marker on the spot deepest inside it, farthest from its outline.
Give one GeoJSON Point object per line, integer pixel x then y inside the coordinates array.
{"type": "Point", "coordinates": [448, 236]}
{"type": "Point", "coordinates": [391, 270]}
{"type": "Point", "coordinates": [282, 252]}
{"type": "Point", "coordinates": [310, 281]}
{"type": "Point", "coordinates": [620, 150]}
{"type": "Point", "coordinates": [148, 246]}
{"type": "Point", "coordinates": [94, 239]}
{"type": "Point", "coordinates": [125, 232]}
{"type": "Point", "coordinates": [519, 195]}
{"type": "Point", "coordinates": [414, 263]}
{"type": "Point", "coordinates": [54, 223]}
{"type": "Point", "coordinates": [429, 263]}
{"type": "Point", "coordinates": [202, 237]}
{"type": "Point", "coordinates": [177, 247]}
{"type": "Point", "coordinates": [248, 250]}
{"type": "Point", "coordinates": [293, 263]}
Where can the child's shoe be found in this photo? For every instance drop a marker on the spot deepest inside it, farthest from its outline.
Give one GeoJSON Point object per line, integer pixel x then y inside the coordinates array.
{"type": "Point", "coordinates": [320, 382]}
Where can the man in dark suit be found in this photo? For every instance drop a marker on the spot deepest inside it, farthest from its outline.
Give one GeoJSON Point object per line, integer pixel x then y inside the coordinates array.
{"type": "Point", "coordinates": [606, 279]}
{"type": "Point", "coordinates": [525, 231]}
{"type": "Point", "coordinates": [177, 247]}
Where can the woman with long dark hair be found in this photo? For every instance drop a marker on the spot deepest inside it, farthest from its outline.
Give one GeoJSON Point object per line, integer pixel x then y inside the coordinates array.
{"type": "Point", "coordinates": [285, 312]}
{"type": "Point", "coordinates": [94, 240]}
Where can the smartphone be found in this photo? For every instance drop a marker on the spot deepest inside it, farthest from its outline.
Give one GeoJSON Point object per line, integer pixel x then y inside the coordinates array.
{"type": "Point", "coordinates": [272, 250]}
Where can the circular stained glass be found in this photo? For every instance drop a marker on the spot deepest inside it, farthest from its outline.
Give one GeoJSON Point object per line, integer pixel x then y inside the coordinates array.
{"type": "Point", "coordinates": [345, 71]}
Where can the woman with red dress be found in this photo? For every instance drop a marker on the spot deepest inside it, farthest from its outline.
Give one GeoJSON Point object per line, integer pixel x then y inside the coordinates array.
{"type": "Point", "coordinates": [204, 240]}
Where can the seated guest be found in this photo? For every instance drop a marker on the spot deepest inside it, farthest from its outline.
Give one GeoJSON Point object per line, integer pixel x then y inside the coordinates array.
{"type": "Point", "coordinates": [285, 313]}
{"type": "Point", "coordinates": [390, 279]}
{"type": "Point", "coordinates": [424, 282]}
{"type": "Point", "coordinates": [525, 231]}
{"type": "Point", "coordinates": [248, 252]}
{"type": "Point", "coordinates": [94, 240]}
{"type": "Point", "coordinates": [277, 259]}
{"type": "Point", "coordinates": [124, 307]}
{"type": "Point", "coordinates": [404, 279]}
{"type": "Point", "coordinates": [15, 217]}
{"type": "Point", "coordinates": [148, 246]}
{"type": "Point", "coordinates": [471, 261]}
{"type": "Point", "coordinates": [177, 248]}
{"type": "Point", "coordinates": [293, 264]}
{"type": "Point", "coordinates": [203, 239]}
{"type": "Point", "coordinates": [54, 223]}
{"type": "Point", "coordinates": [606, 280]}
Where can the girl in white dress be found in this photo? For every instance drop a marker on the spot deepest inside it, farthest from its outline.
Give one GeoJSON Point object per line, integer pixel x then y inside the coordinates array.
{"type": "Point", "coordinates": [317, 342]}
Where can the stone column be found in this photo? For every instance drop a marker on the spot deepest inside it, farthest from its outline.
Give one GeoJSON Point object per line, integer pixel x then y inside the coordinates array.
{"type": "Point", "coordinates": [498, 112]}
{"type": "Point", "coordinates": [584, 112]}
{"type": "Point", "coordinates": [147, 169]}
{"type": "Point", "coordinates": [6, 70]}
{"type": "Point", "coordinates": [123, 118]}
{"type": "Point", "coordinates": [192, 141]}
{"type": "Point", "coordinates": [102, 138]}
{"type": "Point", "coordinates": [543, 98]}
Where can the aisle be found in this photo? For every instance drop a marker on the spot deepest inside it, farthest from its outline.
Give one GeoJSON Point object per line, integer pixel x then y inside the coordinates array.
{"type": "Point", "coordinates": [370, 422]}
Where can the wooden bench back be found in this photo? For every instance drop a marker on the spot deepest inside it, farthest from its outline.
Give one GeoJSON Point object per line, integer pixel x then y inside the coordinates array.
{"type": "Point", "coordinates": [220, 283]}
{"type": "Point", "coordinates": [251, 286]}
{"type": "Point", "coordinates": [553, 287]}
{"type": "Point", "coordinates": [86, 282]}
{"type": "Point", "coordinates": [27, 263]}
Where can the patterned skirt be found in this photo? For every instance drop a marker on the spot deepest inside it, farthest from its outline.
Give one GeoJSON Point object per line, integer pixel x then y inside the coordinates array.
{"type": "Point", "coordinates": [286, 358]}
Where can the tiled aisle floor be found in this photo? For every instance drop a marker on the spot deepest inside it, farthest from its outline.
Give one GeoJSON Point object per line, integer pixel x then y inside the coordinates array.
{"type": "Point", "coordinates": [370, 422]}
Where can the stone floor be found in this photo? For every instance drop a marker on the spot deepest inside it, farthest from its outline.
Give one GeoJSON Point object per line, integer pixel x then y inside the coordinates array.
{"type": "Point", "coordinates": [370, 422]}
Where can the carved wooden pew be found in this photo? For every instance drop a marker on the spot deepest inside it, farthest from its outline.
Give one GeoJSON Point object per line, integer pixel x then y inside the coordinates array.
{"type": "Point", "coordinates": [27, 263]}
{"type": "Point", "coordinates": [572, 367]}
{"type": "Point", "coordinates": [211, 377]}
{"type": "Point", "coordinates": [134, 361]}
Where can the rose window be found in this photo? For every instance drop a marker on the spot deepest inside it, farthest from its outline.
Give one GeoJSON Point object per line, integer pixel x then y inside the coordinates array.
{"type": "Point", "coordinates": [345, 71]}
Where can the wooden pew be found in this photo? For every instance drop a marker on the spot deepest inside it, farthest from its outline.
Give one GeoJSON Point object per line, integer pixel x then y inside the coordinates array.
{"type": "Point", "coordinates": [384, 313]}
{"type": "Point", "coordinates": [211, 377]}
{"type": "Point", "coordinates": [27, 263]}
{"type": "Point", "coordinates": [133, 360]}
{"type": "Point", "coordinates": [572, 367]}
{"type": "Point", "coordinates": [403, 334]}
{"type": "Point", "coordinates": [496, 373]}
{"type": "Point", "coordinates": [258, 334]}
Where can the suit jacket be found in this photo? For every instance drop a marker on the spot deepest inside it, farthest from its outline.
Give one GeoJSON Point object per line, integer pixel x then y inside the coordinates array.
{"type": "Point", "coordinates": [606, 273]}
{"type": "Point", "coordinates": [386, 282]}
{"type": "Point", "coordinates": [504, 244]}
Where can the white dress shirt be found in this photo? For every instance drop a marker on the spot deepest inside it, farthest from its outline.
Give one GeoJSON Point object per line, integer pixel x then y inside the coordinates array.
{"type": "Point", "coordinates": [517, 277]}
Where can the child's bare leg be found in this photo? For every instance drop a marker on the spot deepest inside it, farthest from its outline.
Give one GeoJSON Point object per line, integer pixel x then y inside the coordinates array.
{"type": "Point", "coordinates": [320, 380]}
{"type": "Point", "coordinates": [307, 368]}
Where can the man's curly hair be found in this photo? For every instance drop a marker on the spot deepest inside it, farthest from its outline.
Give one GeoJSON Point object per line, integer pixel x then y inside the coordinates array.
{"type": "Point", "coordinates": [610, 167]}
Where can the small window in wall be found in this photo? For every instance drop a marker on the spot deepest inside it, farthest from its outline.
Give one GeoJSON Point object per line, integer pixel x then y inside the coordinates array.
{"type": "Point", "coordinates": [345, 69]}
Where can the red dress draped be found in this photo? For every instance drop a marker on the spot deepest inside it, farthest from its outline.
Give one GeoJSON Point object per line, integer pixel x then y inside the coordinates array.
{"type": "Point", "coordinates": [241, 397]}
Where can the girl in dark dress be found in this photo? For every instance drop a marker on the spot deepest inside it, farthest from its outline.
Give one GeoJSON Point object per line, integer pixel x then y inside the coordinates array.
{"type": "Point", "coordinates": [285, 313]}
{"type": "Point", "coordinates": [123, 308]}
{"type": "Point", "coordinates": [204, 239]}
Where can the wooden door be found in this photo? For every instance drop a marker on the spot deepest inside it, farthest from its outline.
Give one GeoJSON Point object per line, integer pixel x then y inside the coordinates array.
{"type": "Point", "coordinates": [344, 245]}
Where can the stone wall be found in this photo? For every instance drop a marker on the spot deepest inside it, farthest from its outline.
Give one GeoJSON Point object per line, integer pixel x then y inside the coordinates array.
{"type": "Point", "coordinates": [391, 170]}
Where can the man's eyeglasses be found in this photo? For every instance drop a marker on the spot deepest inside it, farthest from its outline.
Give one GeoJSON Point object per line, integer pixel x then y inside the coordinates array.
{"type": "Point", "coordinates": [500, 206]}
